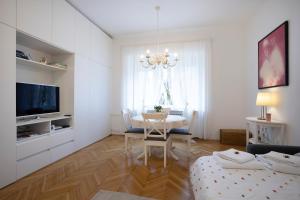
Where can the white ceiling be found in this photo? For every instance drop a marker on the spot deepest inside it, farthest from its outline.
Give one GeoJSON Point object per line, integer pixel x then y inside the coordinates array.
{"type": "Point", "coordinates": [118, 17]}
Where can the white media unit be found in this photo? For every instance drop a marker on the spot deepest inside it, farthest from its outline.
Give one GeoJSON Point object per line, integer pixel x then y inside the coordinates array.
{"type": "Point", "coordinates": [45, 144]}
{"type": "Point", "coordinates": [49, 137]}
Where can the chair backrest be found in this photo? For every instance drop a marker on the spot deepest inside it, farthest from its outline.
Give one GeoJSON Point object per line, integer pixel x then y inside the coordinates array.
{"type": "Point", "coordinates": [192, 121]}
{"type": "Point", "coordinates": [166, 110]}
{"type": "Point", "coordinates": [126, 114]}
{"type": "Point", "coordinates": [155, 125]}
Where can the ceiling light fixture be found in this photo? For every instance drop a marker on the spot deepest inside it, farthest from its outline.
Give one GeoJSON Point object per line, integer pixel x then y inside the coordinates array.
{"type": "Point", "coordinates": [158, 59]}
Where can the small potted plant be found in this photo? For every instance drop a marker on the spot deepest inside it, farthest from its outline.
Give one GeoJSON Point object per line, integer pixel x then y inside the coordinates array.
{"type": "Point", "coordinates": [158, 108]}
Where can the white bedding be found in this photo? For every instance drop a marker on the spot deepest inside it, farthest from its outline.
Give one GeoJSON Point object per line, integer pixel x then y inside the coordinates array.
{"type": "Point", "coordinates": [211, 182]}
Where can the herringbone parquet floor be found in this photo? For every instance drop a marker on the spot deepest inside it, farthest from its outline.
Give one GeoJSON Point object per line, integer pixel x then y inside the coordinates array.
{"type": "Point", "coordinates": [104, 165]}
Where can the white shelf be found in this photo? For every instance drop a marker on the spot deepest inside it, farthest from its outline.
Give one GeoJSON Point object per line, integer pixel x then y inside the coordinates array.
{"type": "Point", "coordinates": [40, 120]}
{"type": "Point", "coordinates": [25, 139]}
{"type": "Point", "coordinates": [32, 63]}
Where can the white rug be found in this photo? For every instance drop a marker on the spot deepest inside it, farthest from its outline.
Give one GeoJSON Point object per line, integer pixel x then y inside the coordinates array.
{"type": "Point", "coordinates": [108, 195]}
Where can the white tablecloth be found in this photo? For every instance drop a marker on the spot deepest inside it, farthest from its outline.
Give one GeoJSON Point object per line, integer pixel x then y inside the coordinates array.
{"type": "Point", "coordinates": [172, 121]}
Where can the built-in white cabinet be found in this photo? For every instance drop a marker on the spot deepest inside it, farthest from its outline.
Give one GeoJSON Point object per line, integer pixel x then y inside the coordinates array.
{"type": "Point", "coordinates": [92, 113]}
{"type": "Point", "coordinates": [33, 163]}
{"type": "Point", "coordinates": [82, 35]}
{"type": "Point", "coordinates": [35, 18]}
{"type": "Point", "coordinates": [81, 102]}
{"type": "Point", "coordinates": [63, 25]}
{"type": "Point", "coordinates": [55, 30]}
{"type": "Point", "coordinates": [100, 53]}
{"type": "Point", "coordinates": [8, 12]}
{"type": "Point", "coordinates": [7, 105]}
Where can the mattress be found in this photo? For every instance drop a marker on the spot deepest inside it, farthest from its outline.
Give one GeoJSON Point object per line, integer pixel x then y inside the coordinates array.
{"type": "Point", "coordinates": [211, 182]}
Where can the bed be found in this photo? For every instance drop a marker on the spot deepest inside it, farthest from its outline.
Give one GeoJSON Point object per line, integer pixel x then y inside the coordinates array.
{"type": "Point", "coordinates": [211, 182]}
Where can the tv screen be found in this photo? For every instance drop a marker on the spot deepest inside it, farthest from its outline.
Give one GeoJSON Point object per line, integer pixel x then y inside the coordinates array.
{"type": "Point", "coordinates": [35, 99]}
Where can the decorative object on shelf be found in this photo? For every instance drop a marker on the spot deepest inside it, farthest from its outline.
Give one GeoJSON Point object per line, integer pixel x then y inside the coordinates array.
{"type": "Point", "coordinates": [21, 54]}
{"type": "Point", "coordinates": [273, 58]}
{"type": "Point", "coordinates": [264, 99]}
{"type": "Point", "coordinates": [159, 58]}
{"type": "Point", "coordinates": [44, 60]}
{"type": "Point", "coordinates": [157, 108]}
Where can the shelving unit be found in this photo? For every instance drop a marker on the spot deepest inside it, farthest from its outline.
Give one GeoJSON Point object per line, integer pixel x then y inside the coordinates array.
{"type": "Point", "coordinates": [32, 63]}
{"type": "Point", "coordinates": [38, 142]}
{"type": "Point", "coordinates": [35, 128]}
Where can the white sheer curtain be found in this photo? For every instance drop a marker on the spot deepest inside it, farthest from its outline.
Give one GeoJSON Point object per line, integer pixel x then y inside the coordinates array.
{"type": "Point", "coordinates": [187, 84]}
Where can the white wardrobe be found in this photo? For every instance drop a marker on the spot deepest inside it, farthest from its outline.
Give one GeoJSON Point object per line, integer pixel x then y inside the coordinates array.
{"type": "Point", "coordinates": [52, 27]}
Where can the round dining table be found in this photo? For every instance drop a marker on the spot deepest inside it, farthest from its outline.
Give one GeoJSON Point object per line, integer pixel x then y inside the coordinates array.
{"type": "Point", "coordinates": [172, 121]}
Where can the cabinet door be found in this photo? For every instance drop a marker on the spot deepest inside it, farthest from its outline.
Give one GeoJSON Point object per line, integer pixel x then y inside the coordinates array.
{"type": "Point", "coordinates": [99, 95]}
{"type": "Point", "coordinates": [7, 105]}
{"type": "Point", "coordinates": [8, 12]}
{"type": "Point", "coordinates": [82, 100]}
{"type": "Point", "coordinates": [95, 43]}
{"type": "Point", "coordinates": [34, 18]}
{"type": "Point", "coordinates": [82, 35]}
{"type": "Point", "coordinates": [63, 32]}
{"type": "Point", "coordinates": [106, 49]}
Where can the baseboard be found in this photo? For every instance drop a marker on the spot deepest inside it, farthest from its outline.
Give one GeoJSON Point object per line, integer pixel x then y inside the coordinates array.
{"type": "Point", "coordinates": [116, 133]}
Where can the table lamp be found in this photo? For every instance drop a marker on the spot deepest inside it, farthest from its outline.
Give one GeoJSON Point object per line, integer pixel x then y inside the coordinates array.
{"type": "Point", "coordinates": [264, 99]}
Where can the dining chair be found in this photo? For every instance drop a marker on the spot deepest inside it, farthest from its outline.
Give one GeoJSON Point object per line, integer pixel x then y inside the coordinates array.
{"type": "Point", "coordinates": [185, 133]}
{"type": "Point", "coordinates": [129, 131]}
{"type": "Point", "coordinates": [155, 134]}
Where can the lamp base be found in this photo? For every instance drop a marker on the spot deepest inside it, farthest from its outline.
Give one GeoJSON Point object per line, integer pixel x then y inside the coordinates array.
{"type": "Point", "coordinates": [261, 118]}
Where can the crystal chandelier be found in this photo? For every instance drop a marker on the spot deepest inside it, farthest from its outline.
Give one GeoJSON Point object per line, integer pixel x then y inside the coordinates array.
{"type": "Point", "coordinates": [162, 59]}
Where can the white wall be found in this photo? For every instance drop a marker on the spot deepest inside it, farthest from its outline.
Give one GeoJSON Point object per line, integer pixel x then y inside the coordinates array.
{"type": "Point", "coordinates": [270, 15]}
{"type": "Point", "coordinates": [228, 75]}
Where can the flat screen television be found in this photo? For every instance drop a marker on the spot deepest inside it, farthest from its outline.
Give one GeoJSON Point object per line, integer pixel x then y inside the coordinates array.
{"type": "Point", "coordinates": [33, 99]}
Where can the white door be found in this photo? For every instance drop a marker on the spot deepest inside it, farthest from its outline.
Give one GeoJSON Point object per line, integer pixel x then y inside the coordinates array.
{"type": "Point", "coordinates": [34, 18]}
{"type": "Point", "coordinates": [7, 105]}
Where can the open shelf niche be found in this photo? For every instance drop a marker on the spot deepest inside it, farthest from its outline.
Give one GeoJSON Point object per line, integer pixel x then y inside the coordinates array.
{"type": "Point", "coordinates": [36, 72]}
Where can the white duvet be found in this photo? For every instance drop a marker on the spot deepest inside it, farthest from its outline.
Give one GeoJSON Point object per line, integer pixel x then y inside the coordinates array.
{"type": "Point", "coordinates": [211, 182]}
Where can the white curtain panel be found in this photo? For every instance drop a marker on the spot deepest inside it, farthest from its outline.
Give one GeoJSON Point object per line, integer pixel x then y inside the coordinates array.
{"type": "Point", "coordinates": [187, 83]}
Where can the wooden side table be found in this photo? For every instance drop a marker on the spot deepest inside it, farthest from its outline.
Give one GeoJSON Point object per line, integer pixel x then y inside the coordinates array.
{"type": "Point", "coordinates": [264, 132]}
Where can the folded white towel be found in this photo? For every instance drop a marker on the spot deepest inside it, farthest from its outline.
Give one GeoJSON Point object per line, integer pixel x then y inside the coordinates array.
{"type": "Point", "coordinates": [227, 164]}
{"type": "Point", "coordinates": [283, 158]}
{"type": "Point", "coordinates": [235, 155]}
{"type": "Point", "coordinates": [278, 166]}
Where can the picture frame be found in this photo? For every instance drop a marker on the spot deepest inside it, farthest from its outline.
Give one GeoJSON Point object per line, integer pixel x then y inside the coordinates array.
{"type": "Point", "coordinates": [273, 58]}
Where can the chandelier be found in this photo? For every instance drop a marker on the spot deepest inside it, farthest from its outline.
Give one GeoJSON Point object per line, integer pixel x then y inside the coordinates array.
{"type": "Point", "coordinates": [157, 59]}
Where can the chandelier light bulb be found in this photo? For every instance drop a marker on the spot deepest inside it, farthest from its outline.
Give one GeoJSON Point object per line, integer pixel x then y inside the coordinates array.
{"type": "Point", "coordinates": [158, 59]}
{"type": "Point", "coordinates": [142, 56]}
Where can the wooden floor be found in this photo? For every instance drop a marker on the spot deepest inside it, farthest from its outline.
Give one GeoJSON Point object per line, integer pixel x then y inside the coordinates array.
{"type": "Point", "coordinates": [104, 165]}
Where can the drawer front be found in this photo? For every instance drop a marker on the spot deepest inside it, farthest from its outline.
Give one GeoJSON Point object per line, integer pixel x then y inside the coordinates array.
{"type": "Point", "coordinates": [62, 137]}
{"type": "Point", "coordinates": [33, 163]}
{"type": "Point", "coordinates": [31, 147]}
{"type": "Point", "coordinates": [62, 151]}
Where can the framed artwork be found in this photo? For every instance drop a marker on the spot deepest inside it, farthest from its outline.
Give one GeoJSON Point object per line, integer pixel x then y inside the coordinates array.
{"type": "Point", "coordinates": [273, 58]}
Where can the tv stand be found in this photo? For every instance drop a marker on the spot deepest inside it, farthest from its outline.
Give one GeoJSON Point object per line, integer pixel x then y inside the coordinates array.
{"type": "Point", "coordinates": [39, 143]}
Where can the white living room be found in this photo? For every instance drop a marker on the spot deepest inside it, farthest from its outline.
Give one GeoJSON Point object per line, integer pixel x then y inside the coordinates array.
{"type": "Point", "coordinates": [152, 99]}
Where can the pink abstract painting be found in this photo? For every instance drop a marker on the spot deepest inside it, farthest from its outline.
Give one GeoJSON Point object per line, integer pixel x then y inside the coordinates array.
{"type": "Point", "coordinates": [273, 58]}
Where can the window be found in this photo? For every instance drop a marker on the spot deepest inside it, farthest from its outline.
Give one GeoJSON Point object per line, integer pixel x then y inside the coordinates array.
{"type": "Point", "coordinates": [177, 87]}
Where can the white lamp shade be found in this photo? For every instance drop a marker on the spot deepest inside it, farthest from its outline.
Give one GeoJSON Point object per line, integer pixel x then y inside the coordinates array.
{"type": "Point", "coordinates": [264, 99]}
